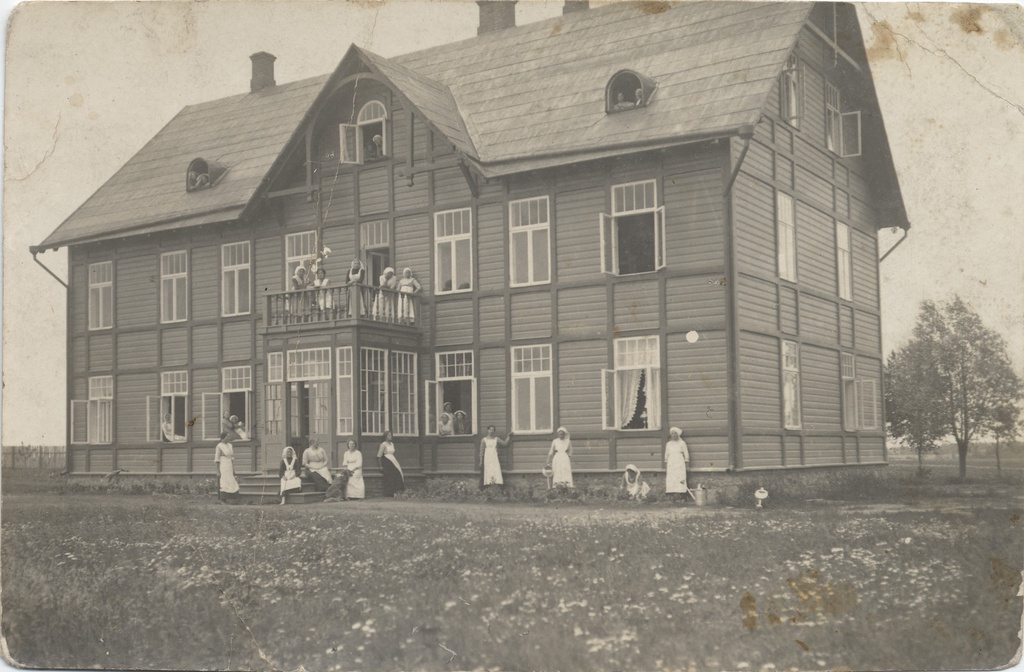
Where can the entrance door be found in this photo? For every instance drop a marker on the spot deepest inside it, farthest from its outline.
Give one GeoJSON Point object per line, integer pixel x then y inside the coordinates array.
{"type": "Point", "coordinates": [309, 416]}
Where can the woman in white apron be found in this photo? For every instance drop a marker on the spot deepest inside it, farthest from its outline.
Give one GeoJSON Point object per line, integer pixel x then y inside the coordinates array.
{"type": "Point", "coordinates": [490, 465]}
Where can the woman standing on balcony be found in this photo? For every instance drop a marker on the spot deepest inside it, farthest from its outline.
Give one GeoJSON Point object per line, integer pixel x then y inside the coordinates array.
{"type": "Point", "coordinates": [299, 306]}
{"type": "Point", "coordinates": [384, 304]}
{"type": "Point", "coordinates": [356, 277]}
{"type": "Point", "coordinates": [407, 285]}
{"type": "Point", "coordinates": [394, 480]}
{"type": "Point", "coordinates": [323, 295]}
{"type": "Point", "coordinates": [224, 458]}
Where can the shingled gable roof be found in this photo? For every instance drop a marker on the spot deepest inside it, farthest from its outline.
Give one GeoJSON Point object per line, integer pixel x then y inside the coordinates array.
{"type": "Point", "coordinates": [246, 133]}
{"type": "Point", "coordinates": [538, 90]}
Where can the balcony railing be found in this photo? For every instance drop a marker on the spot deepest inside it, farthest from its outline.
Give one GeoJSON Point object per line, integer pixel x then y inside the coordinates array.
{"type": "Point", "coordinates": [348, 302]}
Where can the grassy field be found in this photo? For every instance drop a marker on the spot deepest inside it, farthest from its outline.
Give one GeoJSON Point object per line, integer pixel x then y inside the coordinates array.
{"type": "Point", "coordinates": [158, 581]}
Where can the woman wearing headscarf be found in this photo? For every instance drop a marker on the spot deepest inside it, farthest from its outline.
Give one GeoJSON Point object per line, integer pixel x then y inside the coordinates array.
{"type": "Point", "coordinates": [286, 471]}
{"type": "Point", "coordinates": [353, 461]}
{"type": "Point", "coordinates": [299, 282]}
{"type": "Point", "coordinates": [558, 458]}
{"type": "Point", "coordinates": [356, 277]}
{"type": "Point", "coordinates": [224, 459]}
{"type": "Point", "coordinates": [407, 285]}
{"type": "Point", "coordinates": [633, 483]}
{"type": "Point", "coordinates": [676, 457]}
{"type": "Point", "coordinates": [384, 305]}
{"type": "Point", "coordinates": [394, 480]}
{"type": "Point", "coordinates": [314, 459]}
{"type": "Point", "coordinates": [446, 426]}
{"type": "Point", "coordinates": [490, 466]}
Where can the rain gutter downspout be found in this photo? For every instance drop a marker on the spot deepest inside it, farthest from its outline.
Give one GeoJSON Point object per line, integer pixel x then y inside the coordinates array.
{"type": "Point", "coordinates": [35, 250]}
{"type": "Point", "coordinates": [745, 132]}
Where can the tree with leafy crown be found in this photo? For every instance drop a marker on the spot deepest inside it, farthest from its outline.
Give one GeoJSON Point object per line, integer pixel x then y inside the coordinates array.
{"type": "Point", "coordinates": [954, 378]}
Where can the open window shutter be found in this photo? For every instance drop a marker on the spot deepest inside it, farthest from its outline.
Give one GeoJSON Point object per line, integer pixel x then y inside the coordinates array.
{"type": "Point", "coordinates": [608, 259]}
{"type": "Point", "coordinates": [79, 421]}
{"type": "Point", "coordinates": [211, 416]}
{"type": "Point", "coordinates": [152, 419]}
{"type": "Point", "coordinates": [349, 143]}
{"type": "Point", "coordinates": [867, 404]}
{"type": "Point", "coordinates": [430, 405]}
{"type": "Point", "coordinates": [609, 405]}
{"type": "Point", "coordinates": [850, 128]}
{"type": "Point", "coordinates": [659, 237]}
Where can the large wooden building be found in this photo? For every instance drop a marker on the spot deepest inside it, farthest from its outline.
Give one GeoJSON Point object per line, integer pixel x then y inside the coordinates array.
{"type": "Point", "coordinates": [623, 219]}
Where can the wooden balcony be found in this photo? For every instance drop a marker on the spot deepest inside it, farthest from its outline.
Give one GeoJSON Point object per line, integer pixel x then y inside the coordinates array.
{"type": "Point", "coordinates": [346, 303]}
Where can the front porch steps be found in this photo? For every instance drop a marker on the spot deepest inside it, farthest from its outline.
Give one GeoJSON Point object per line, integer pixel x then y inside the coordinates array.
{"type": "Point", "coordinates": [264, 489]}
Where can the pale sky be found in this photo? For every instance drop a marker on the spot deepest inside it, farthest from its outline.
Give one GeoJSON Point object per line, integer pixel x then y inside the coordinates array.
{"type": "Point", "coordinates": [89, 83]}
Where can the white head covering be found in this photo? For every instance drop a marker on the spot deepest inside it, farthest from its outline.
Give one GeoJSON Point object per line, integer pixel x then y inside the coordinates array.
{"type": "Point", "coordinates": [284, 453]}
{"type": "Point", "coordinates": [629, 468]}
{"type": "Point", "coordinates": [389, 270]}
{"type": "Point", "coordinates": [406, 270]}
{"type": "Point", "coordinates": [563, 430]}
{"type": "Point", "coordinates": [678, 431]}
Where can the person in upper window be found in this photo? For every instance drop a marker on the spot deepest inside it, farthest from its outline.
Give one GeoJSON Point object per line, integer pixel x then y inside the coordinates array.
{"type": "Point", "coordinates": [446, 426]}
{"type": "Point", "coordinates": [356, 277]}
{"type": "Point", "coordinates": [238, 428]}
{"type": "Point", "coordinates": [227, 425]}
{"type": "Point", "coordinates": [621, 103]}
{"type": "Point", "coordinates": [639, 97]}
{"type": "Point", "coordinates": [168, 429]}
{"type": "Point", "coordinates": [462, 425]}
{"type": "Point", "coordinates": [300, 279]}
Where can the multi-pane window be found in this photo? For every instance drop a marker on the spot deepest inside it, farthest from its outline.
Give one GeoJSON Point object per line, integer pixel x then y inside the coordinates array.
{"type": "Point", "coordinates": [785, 220]}
{"type": "Point", "coordinates": [346, 425]}
{"type": "Point", "coordinates": [633, 235]}
{"type": "Point", "coordinates": [299, 250]}
{"type": "Point", "coordinates": [167, 415]}
{"type": "Point", "coordinates": [842, 129]}
{"type": "Point", "coordinates": [309, 390]}
{"type": "Point", "coordinates": [791, 384]}
{"type": "Point", "coordinates": [453, 250]}
{"type": "Point", "coordinates": [632, 390]}
{"type": "Point", "coordinates": [860, 397]}
{"type": "Point", "coordinates": [365, 140]}
{"type": "Point", "coordinates": [791, 92]}
{"type": "Point", "coordinates": [403, 393]}
{"type": "Point", "coordinates": [229, 409]}
{"type": "Point", "coordinates": [174, 286]}
{"type": "Point", "coordinates": [844, 262]}
{"type": "Point", "coordinates": [452, 394]}
{"type": "Point", "coordinates": [531, 389]}
{"type": "Point", "coordinates": [92, 420]}
{"type": "Point", "coordinates": [101, 295]}
{"type": "Point", "coordinates": [236, 271]}
{"type": "Point", "coordinates": [273, 418]}
{"type": "Point", "coordinates": [529, 223]}
{"type": "Point", "coordinates": [309, 364]}
{"type": "Point", "coordinates": [373, 390]}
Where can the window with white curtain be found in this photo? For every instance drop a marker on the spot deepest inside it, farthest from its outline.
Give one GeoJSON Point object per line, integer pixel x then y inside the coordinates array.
{"type": "Point", "coordinates": [791, 384]}
{"type": "Point", "coordinates": [632, 390]}
{"type": "Point", "coordinates": [785, 217]}
{"type": "Point", "coordinates": [101, 409]}
{"type": "Point", "coordinates": [844, 262]}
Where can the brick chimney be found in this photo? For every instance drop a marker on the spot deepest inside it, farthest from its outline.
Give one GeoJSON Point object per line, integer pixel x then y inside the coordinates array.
{"type": "Point", "coordinates": [262, 71]}
{"type": "Point", "coordinates": [496, 15]}
{"type": "Point", "coordinates": [571, 6]}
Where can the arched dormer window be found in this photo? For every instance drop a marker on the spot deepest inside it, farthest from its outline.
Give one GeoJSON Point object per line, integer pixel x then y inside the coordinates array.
{"type": "Point", "coordinates": [198, 175]}
{"type": "Point", "coordinates": [367, 139]}
{"type": "Point", "coordinates": [628, 90]}
{"type": "Point", "coordinates": [202, 174]}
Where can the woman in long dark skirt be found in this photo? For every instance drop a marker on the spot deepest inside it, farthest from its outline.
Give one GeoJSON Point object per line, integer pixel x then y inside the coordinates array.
{"type": "Point", "coordinates": [394, 480]}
